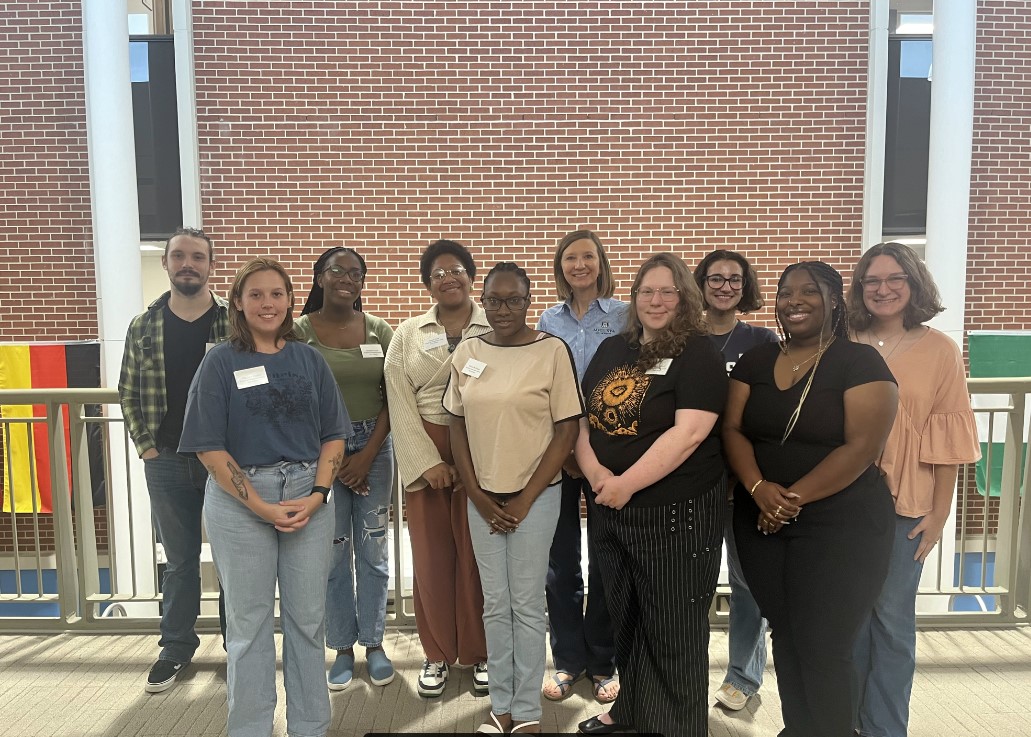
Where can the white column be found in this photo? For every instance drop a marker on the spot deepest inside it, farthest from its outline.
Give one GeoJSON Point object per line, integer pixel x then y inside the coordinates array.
{"type": "Point", "coordinates": [948, 191]}
{"type": "Point", "coordinates": [116, 246]}
{"type": "Point", "coordinates": [186, 104]}
{"type": "Point", "coordinates": [876, 112]}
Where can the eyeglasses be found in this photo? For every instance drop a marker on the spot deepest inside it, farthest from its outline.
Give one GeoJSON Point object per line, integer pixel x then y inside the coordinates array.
{"type": "Point", "coordinates": [716, 281]}
{"type": "Point", "coordinates": [355, 275]}
{"type": "Point", "coordinates": [493, 304]}
{"type": "Point", "coordinates": [895, 281]}
{"type": "Point", "coordinates": [668, 294]}
{"type": "Point", "coordinates": [442, 274]}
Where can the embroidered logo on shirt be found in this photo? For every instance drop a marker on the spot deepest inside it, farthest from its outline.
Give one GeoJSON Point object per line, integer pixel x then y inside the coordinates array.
{"type": "Point", "coordinates": [615, 403]}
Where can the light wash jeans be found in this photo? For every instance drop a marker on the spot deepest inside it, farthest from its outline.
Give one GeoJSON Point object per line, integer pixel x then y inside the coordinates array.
{"type": "Point", "coordinates": [513, 569]}
{"type": "Point", "coordinates": [885, 650]}
{"type": "Point", "coordinates": [747, 639]}
{"type": "Point", "coordinates": [251, 556]}
{"type": "Point", "coordinates": [176, 486]}
{"type": "Point", "coordinates": [361, 541]}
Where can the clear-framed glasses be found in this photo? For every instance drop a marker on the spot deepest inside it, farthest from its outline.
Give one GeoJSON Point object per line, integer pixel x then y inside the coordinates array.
{"type": "Point", "coordinates": [895, 281]}
{"type": "Point", "coordinates": [442, 274]}
{"type": "Point", "coordinates": [667, 294]}
{"type": "Point", "coordinates": [716, 281]}
{"type": "Point", "coordinates": [493, 304]}
{"type": "Point", "coordinates": [355, 275]}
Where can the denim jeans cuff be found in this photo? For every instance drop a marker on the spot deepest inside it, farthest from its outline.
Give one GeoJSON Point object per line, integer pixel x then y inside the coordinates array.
{"type": "Point", "coordinates": [748, 690]}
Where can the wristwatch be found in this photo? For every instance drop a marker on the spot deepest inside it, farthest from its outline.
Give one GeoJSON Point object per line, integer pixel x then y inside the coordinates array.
{"type": "Point", "coordinates": [324, 490]}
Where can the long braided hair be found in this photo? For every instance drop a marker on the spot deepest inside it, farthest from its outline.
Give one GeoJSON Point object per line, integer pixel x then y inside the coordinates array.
{"type": "Point", "coordinates": [317, 293]}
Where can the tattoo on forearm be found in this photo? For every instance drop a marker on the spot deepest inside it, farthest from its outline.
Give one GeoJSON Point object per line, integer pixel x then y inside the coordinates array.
{"type": "Point", "coordinates": [236, 476]}
{"type": "Point", "coordinates": [337, 461]}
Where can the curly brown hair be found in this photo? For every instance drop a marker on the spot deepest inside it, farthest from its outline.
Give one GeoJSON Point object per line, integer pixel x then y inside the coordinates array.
{"type": "Point", "coordinates": [751, 297]}
{"type": "Point", "coordinates": [924, 301]}
{"type": "Point", "coordinates": [239, 332]}
{"type": "Point", "coordinates": [688, 321]}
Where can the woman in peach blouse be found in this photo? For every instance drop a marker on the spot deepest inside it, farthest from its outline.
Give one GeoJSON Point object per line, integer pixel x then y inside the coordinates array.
{"type": "Point", "coordinates": [892, 294]}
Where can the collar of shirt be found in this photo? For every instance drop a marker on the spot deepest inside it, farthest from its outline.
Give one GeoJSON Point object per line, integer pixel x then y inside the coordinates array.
{"type": "Point", "coordinates": [479, 317]}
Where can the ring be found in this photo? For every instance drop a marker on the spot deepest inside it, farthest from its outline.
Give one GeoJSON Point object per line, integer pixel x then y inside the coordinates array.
{"type": "Point", "coordinates": [493, 520]}
{"type": "Point", "coordinates": [777, 513]}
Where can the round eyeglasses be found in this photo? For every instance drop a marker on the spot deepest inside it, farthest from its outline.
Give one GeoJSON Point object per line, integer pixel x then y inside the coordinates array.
{"type": "Point", "coordinates": [442, 274]}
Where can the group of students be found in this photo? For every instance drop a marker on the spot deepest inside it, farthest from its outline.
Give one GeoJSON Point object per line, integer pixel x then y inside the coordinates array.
{"type": "Point", "coordinates": [499, 429]}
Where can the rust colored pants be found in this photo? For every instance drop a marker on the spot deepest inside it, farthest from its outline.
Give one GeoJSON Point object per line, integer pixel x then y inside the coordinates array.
{"type": "Point", "coordinates": [447, 593]}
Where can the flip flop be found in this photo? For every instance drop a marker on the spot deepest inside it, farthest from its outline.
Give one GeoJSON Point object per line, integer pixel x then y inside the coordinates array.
{"type": "Point", "coordinates": [492, 726]}
{"type": "Point", "coordinates": [517, 727]}
{"type": "Point", "coordinates": [604, 683]}
{"type": "Point", "coordinates": [565, 685]}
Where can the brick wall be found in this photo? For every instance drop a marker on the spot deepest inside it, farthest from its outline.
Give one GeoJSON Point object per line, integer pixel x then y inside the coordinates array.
{"type": "Point", "coordinates": [999, 268]}
{"type": "Point", "coordinates": [46, 249]}
{"type": "Point", "coordinates": [661, 125]}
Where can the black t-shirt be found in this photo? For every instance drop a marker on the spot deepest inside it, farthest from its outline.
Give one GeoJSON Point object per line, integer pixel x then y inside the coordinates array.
{"type": "Point", "coordinates": [185, 344]}
{"type": "Point", "coordinates": [821, 424]}
{"type": "Point", "coordinates": [628, 411]}
{"type": "Point", "coordinates": [740, 340]}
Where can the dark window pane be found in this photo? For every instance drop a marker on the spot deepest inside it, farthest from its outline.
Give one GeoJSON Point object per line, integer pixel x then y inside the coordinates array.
{"type": "Point", "coordinates": [907, 132]}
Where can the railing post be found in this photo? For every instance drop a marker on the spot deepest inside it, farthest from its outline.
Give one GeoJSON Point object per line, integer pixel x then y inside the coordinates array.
{"type": "Point", "coordinates": [64, 532]}
{"type": "Point", "coordinates": [1022, 547]}
{"type": "Point", "coordinates": [82, 492]}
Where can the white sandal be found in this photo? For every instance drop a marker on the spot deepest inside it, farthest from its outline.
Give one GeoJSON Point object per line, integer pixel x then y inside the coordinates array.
{"type": "Point", "coordinates": [489, 728]}
{"type": "Point", "coordinates": [517, 727]}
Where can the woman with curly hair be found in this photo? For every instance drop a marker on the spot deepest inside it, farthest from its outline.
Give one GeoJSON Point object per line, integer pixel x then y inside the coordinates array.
{"type": "Point", "coordinates": [891, 297]}
{"type": "Point", "coordinates": [654, 395]}
{"type": "Point", "coordinates": [804, 425]}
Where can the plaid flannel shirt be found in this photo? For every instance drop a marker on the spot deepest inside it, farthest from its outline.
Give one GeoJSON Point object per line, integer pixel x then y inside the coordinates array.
{"type": "Point", "coordinates": [141, 386]}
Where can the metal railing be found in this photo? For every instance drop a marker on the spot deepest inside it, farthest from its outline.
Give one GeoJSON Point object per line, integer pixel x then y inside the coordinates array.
{"type": "Point", "coordinates": [104, 564]}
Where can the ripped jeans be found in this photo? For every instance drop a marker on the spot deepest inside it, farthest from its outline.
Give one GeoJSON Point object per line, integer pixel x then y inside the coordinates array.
{"type": "Point", "coordinates": [357, 613]}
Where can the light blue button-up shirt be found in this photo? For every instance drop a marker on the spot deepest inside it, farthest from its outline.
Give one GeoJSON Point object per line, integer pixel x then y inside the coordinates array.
{"type": "Point", "coordinates": [605, 317]}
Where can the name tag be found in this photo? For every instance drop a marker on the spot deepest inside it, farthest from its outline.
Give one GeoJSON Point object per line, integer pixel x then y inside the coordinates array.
{"type": "Point", "coordinates": [661, 367]}
{"type": "Point", "coordinates": [371, 350]}
{"type": "Point", "coordinates": [473, 368]}
{"type": "Point", "coordinates": [434, 341]}
{"type": "Point", "coordinates": [250, 377]}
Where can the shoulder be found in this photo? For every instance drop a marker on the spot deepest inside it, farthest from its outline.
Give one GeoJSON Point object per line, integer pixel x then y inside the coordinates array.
{"type": "Point", "coordinates": [220, 302]}
{"type": "Point", "coordinates": [555, 311]}
{"type": "Point", "coordinates": [938, 341]}
{"type": "Point", "coordinates": [758, 334]}
{"type": "Point", "coordinates": [303, 327]}
{"type": "Point", "coordinates": [613, 306]}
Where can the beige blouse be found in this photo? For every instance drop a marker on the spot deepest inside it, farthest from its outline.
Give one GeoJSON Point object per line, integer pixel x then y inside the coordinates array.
{"type": "Point", "coordinates": [416, 370]}
{"type": "Point", "coordinates": [934, 424]}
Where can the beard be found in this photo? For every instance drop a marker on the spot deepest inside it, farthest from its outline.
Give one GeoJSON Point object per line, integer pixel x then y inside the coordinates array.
{"type": "Point", "coordinates": [187, 289]}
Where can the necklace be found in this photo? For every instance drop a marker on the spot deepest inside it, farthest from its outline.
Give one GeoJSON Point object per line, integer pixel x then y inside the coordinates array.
{"type": "Point", "coordinates": [880, 341]}
{"type": "Point", "coordinates": [346, 324]}
{"type": "Point", "coordinates": [803, 362]}
{"type": "Point", "coordinates": [731, 333]}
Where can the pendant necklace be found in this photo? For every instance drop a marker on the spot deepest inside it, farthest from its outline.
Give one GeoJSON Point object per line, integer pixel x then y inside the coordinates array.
{"type": "Point", "coordinates": [800, 364]}
{"type": "Point", "coordinates": [880, 342]}
{"type": "Point", "coordinates": [731, 333]}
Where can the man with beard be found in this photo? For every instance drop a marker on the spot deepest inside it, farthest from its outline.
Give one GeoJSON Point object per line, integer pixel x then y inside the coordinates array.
{"type": "Point", "coordinates": [163, 348]}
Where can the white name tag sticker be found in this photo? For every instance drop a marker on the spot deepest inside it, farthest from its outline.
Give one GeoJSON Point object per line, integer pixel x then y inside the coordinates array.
{"type": "Point", "coordinates": [371, 350]}
{"type": "Point", "coordinates": [250, 377]}
{"type": "Point", "coordinates": [660, 368]}
{"type": "Point", "coordinates": [434, 341]}
{"type": "Point", "coordinates": [209, 346]}
{"type": "Point", "coordinates": [473, 368]}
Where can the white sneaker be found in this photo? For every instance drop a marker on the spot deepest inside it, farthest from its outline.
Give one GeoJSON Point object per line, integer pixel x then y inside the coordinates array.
{"type": "Point", "coordinates": [433, 678]}
{"type": "Point", "coordinates": [731, 697]}
{"type": "Point", "coordinates": [480, 683]}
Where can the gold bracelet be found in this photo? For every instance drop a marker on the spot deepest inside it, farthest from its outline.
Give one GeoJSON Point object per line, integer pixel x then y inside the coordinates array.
{"type": "Point", "coordinates": [751, 492]}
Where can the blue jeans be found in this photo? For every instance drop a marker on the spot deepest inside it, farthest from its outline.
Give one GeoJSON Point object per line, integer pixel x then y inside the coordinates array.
{"type": "Point", "coordinates": [885, 650]}
{"type": "Point", "coordinates": [580, 640]}
{"type": "Point", "coordinates": [361, 520]}
{"type": "Point", "coordinates": [251, 557]}
{"type": "Point", "coordinates": [513, 568]}
{"type": "Point", "coordinates": [747, 638]}
{"type": "Point", "coordinates": [176, 486]}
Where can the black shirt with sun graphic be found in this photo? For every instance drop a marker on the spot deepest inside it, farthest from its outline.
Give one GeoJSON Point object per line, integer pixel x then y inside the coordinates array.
{"type": "Point", "coordinates": [629, 409]}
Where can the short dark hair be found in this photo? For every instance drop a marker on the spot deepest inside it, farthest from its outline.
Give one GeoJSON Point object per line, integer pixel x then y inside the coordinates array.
{"type": "Point", "coordinates": [606, 284]}
{"type": "Point", "coordinates": [192, 233]}
{"type": "Point", "coordinates": [924, 301]}
{"type": "Point", "coordinates": [239, 331]}
{"type": "Point", "coordinates": [751, 297]}
{"type": "Point", "coordinates": [316, 294]}
{"type": "Point", "coordinates": [508, 267]}
{"type": "Point", "coordinates": [831, 285]}
{"type": "Point", "coordinates": [437, 249]}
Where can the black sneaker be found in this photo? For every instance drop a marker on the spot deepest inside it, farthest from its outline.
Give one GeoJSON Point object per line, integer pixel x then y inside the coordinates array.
{"type": "Point", "coordinates": [163, 674]}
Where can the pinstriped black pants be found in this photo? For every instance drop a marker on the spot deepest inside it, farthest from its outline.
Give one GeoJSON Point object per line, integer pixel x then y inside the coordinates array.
{"type": "Point", "coordinates": [660, 566]}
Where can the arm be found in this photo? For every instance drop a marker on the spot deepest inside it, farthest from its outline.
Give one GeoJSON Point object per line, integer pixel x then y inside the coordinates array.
{"type": "Point", "coordinates": [551, 462]}
{"type": "Point", "coordinates": [587, 460]}
{"type": "Point", "coordinates": [129, 397]}
{"type": "Point", "coordinates": [668, 452]}
{"type": "Point", "coordinates": [354, 471]}
{"type": "Point", "coordinates": [869, 413]}
{"type": "Point", "coordinates": [740, 454]}
{"type": "Point", "coordinates": [933, 523]}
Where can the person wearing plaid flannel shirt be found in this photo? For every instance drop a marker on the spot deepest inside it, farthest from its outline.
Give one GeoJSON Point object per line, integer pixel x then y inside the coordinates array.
{"type": "Point", "coordinates": [163, 348]}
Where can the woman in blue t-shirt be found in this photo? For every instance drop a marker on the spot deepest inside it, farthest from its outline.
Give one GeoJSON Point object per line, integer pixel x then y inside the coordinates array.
{"type": "Point", "coordinates": [265, 417]}
{"type": "Point", "coordinates": [651, 450]}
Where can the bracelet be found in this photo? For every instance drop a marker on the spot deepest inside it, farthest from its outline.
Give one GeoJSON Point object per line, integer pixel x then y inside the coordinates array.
{"type": "Point", "coordinates": [324, 490]}
{"type": "Point", "coordinates": [751, 492]}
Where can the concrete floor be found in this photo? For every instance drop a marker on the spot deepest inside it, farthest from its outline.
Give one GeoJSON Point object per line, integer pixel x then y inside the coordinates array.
{"type": "Point", "coordinates": [968, 683]}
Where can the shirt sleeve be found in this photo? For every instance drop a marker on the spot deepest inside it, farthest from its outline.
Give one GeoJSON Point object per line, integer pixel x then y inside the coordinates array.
{"type": "Point", "coordinates": [746, 367]}
{"type": "Point", "coordinates": [129, 392]}
{"type": "Point", "coordinates": [950, 437]}
{"type": "Point", "coordinates": [866, 367]}
{"type": "Point", "coordinates": [205, 426]}
{"type": "Point", "coordinates": [452, 399]}
{"type": "Point", "coordinates": [334, 422]}
{"type": "Point", "coordinates": [701, 377]}
{"type": "Point", "coordinates": [566, 401]}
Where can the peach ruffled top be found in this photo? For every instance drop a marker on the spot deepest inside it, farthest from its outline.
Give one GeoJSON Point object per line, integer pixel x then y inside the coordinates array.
{"type": "Point", "coordinates": [934, 424]}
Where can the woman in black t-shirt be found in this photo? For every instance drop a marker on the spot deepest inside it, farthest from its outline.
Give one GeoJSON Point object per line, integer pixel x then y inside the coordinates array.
{"type": "Point", "coordinates": [650, 449]}
{"type": "Point", "coordinates": [813, 519]}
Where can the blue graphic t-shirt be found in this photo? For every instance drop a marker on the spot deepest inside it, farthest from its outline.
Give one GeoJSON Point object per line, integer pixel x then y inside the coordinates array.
{"type": "Point", "coordinates": [264, 408]}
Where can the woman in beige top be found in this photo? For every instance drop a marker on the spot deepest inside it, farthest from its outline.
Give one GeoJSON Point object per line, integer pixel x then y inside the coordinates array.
{"type": "Point", "coordinates": [891, 296]}
{"type": "Point", "coordinates": [448, 598]}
